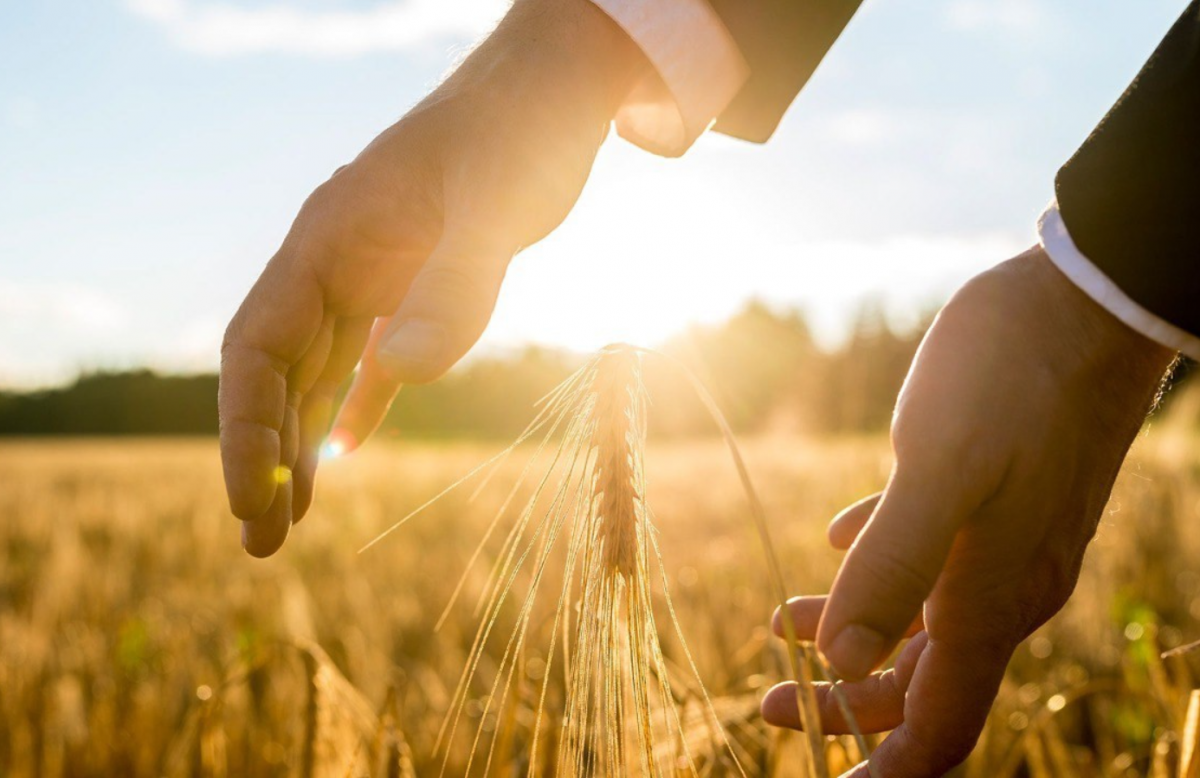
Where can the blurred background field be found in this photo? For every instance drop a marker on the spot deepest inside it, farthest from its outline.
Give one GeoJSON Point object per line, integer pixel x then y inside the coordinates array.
{"type": "Point", "coordinates": [137, 639]}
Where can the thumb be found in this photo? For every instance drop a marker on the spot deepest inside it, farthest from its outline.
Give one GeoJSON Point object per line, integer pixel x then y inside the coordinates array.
{"type": "Point", "coordinates": [890, 571]}
{"type": "Point", "coordinates": [446, 309]}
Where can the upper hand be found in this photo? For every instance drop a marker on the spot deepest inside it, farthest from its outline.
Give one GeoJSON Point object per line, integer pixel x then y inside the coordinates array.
{"type": "Point", "coordinates": [1008, 434]}
{"type": "Point", "coordinates": [402, 252]}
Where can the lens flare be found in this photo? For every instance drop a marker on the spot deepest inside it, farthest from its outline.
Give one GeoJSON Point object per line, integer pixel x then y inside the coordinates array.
{"type": "Point", "coordinates": [339, 443]}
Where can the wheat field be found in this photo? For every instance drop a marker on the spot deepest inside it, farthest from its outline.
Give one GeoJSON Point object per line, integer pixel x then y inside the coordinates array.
{"type": "Point", "coordinates": [136, 638]}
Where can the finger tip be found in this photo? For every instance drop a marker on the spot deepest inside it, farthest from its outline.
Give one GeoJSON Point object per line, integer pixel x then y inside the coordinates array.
{"type": "Point", "coordinates": [340, 442]}
{"type": "Point", "coordinates": [261, 544]}
{"type": "Point", "coordinates": [304, 484]}
{"type": "Point", "coordinates": [804, 613]}
{"type": "Point", "coordinates": [778, 706]}
{"type": "Point", "coordinates": [843, 529]}
{"type": "Point", "coordinates": [263, 536]}
{"type": "Point", "coordinates": [836, 535]}
{"type": "Point", "coordinates": [853, 651]}
{"type": "Point", "coordinates": [843, 670]}
{"type": "Point", "coordinates": [783, 688]}
{"type": "Point", "coordinates": [301, 503]}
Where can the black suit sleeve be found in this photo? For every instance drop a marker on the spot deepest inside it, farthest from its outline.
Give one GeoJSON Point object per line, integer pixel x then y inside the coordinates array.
{"type": "Point", "coordinates": [1130, 197]}
{"type": "Point", "coordinates": [782, 41]}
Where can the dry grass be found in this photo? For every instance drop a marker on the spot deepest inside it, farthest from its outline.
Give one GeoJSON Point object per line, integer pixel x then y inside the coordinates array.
{"type": "Point", "coordinates": [136, 639]}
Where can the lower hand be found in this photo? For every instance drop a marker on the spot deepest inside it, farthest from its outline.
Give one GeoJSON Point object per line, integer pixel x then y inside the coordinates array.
{"type": "Point", "coordinates": [1008, 434]}
{"type": "Point", "coordinates": [402, 252]}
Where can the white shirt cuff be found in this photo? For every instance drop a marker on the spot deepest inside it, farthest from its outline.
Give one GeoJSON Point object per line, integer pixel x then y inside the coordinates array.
{"type": "Point", "coordinates": [698, 71]}
{"type": "Point", "coordinates": [1067, 257]}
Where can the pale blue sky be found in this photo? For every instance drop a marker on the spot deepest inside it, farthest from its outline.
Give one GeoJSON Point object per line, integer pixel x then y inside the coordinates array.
{"type": "Point", "coordinates": [153, 153]}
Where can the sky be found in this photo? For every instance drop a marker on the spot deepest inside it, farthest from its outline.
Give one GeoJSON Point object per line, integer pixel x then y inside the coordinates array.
{"type": "Point", "coordinates": [154, 152]}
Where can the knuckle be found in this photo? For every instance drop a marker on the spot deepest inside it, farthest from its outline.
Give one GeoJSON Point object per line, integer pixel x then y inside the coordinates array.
{"type": "Point", "coordinates": [892, 689]}
{"type": "Point", "coordinates": [1050, 587]}
{"type": "Point", "coordinates": [324, 389]}
{"type": "Point", "coordinates": [928, 754]}
{"type": "Point", "coordinates": [966, 461]}
{"type": "Point", "coordinates": [955, 752]}
{"type": "Point", "coordinates": [895, 573]}
{"type": "Point", "coordinates": [990, 641]}
{"type": "Point", "coordinates": [428, 372]}
{"type": "Point", "coordinates": [947, 446]}
{"type": "Point", "coordinates": [232, 335]}
{"type": "Point", "coordinates": [1056, 581]}
{"type": "Point", "coordinates": [465, 290]}
{"type": "Point", "coordinates": [456, 279]}
{"type": "Point", "coordinates": [327, 195]}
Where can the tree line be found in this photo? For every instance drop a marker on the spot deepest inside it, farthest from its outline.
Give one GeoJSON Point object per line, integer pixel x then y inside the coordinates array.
{"type": "Point", "coordinates": [763, 366]}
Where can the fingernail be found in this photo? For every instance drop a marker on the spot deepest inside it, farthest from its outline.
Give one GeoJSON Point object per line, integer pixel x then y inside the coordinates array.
{"type": "Point", "coordinates": [415, 343]}
{"type": "Point", "coordinates": [855, 651]}
{"type": "Point", "coordinates": [779, 628]}
{"type": "Point", "coordinates": [858, 771]}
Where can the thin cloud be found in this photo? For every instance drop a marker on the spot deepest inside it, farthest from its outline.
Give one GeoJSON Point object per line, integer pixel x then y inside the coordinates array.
{"type": "Point", "coordinates": [47, 329]}
{"type": "Point", "coordinates": [225, 29]}
{"type": "Point", "coordinates": [196, 347]}
{"type": "Point", "coordinates": [71, 308]}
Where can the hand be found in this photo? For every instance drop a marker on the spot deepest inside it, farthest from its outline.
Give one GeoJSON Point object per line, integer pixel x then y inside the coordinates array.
{"type": "Point", "coordinates": [402, 251]}
{"type": "Point", "coordinates": [1014, 419]}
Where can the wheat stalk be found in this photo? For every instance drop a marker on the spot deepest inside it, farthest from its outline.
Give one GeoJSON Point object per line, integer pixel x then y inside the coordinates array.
{"type": "Point", "coordinates": [618, 673]}
{"type": "Point", "coordinates": [618, 685]}
{"type": "Point", "coordinates": [592, 492]}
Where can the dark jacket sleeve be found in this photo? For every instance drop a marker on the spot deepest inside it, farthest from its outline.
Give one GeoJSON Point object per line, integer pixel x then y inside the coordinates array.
{"type": "Point", "coordinates": [783, 41]}
{"type": "Point", "coordinates": [1130, 197]}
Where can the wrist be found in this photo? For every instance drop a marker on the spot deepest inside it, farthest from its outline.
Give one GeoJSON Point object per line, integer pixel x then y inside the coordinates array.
{"type": "Point", "coordinates": [580, 38]}
{"type": "Point", "coordinates": [1109, 352]}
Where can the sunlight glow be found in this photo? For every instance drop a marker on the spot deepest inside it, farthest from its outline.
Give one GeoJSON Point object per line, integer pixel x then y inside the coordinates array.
{"type": "Point", "coordinates": [339, 443]}
{"type": "Point", "coordinates": [582, 300]}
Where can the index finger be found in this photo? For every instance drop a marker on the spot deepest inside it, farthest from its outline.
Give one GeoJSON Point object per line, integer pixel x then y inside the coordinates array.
{"type": "Point", "coordinates": [806, 612]}
{"type": "Point", "coordinates": [890, 570]}
{"type": "Point", "coordinates": [270, 332]}
{"type": "Point", "coordinates": [945, 709]}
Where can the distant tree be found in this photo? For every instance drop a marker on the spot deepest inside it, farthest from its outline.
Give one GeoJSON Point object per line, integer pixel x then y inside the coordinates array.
{"type": "Point", "coordinates": [762, 365]}
{"type": "Point", "coordinates": [135, 403]}
{"type": "Point", "coordinates": [489, 397]}
{"type": "Point", "coordinates": [863, 377]}
{"type": "Point", "coordinates": [749, 363]}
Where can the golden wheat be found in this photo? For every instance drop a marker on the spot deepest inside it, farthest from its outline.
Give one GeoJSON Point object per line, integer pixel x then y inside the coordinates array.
{"type": "Point", "coordinates": [125, 601]}
{"type": "Point", "coordinates": [620, 712]}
